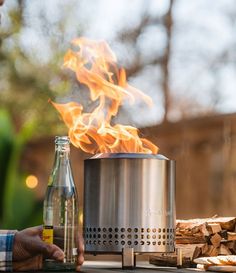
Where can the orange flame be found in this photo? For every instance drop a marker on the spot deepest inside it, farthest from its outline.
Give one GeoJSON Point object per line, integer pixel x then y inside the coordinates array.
{"type": "Point", "coordinates": [95, 66]}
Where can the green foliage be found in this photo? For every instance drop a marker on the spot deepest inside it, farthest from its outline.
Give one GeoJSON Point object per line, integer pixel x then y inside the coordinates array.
{"type": "Point", "coordinates": [18, 202]}
{"type": "Point", "coordinates": [6, 139]}
{"type": "Point", "coordinates": [25, 87]}
{"type": "Point", "coordinates": [26, 84]}
{"type": "Point", "coordinates": [15, 192]}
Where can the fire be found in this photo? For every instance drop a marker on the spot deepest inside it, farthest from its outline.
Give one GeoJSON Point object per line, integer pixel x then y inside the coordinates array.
{"type": "Point", "coordinates": [94, 65]}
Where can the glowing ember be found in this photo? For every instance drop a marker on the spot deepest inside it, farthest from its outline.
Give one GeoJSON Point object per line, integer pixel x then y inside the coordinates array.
{"type": "Point", "coordinates": [95, 66]}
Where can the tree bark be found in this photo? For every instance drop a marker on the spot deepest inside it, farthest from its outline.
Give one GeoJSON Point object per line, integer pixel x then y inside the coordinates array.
{"type": "Point", "coordinates": [168, 23]}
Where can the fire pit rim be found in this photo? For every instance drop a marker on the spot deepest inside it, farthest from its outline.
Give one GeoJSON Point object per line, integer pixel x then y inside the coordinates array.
{"type": "Point", "coordinates": [128, 156]}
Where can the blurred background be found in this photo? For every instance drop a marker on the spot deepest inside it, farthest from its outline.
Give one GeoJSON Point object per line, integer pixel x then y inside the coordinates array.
{"type": "Point", "coordinates": [181, 53]}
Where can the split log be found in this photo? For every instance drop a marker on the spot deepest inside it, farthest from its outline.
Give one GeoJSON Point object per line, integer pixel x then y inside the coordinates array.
{"type": "Point", "coordinates": [223, 235]}
{"type": "Point", "coordinates": [197, 252]}
{"type": "Point", "coordinates": [190, 240]}
{"type": "Point", "coordinates": [227, 223]}
{"type": "Point", "coordinates": [224, 250]}
{"type": "Point", "coordinates": [195, 231]}
{"type": "Point", "coordinates": [231, 236]}
{"type": "Point", "coordinates": [201, 238]}
{"type": "Point", "coordinates": [215, 240]}
{"type": "Point", "coordinates": [231, 245]}
{"type": "Point", "coordinates": [170, 259]}
{"type": "Point", "coordinates": [205, 250]}
{"type": "Point", "coordinates": [213, 228]}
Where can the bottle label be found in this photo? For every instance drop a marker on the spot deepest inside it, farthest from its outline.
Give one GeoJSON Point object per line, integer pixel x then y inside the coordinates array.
{"type": "Point", "coordinates": [48, 234]}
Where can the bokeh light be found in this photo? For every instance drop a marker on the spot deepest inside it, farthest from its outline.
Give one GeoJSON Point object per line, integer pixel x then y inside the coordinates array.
{"type": "Point", "coordinates": [31, 181]}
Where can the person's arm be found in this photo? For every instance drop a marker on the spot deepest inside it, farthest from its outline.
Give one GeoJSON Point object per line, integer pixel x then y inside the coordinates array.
{"type": "Point", "coordinates": [6, 248]}
{"type": "Point", "coordinates": [24, 250]}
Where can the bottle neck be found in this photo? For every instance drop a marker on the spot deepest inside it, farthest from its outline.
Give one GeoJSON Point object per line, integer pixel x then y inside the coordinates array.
{"type": "Point", "coordinates": [62, 174]}
{"type": "Point", "coordinates": [62, 152]}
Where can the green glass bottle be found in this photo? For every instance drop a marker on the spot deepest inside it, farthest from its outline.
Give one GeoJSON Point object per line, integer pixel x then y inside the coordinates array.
{"type": "Point", "coordinates": [60, 212]}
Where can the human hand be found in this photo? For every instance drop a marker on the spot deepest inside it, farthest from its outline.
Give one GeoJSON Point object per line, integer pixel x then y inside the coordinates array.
{"type": "Point", "coordinates": [80, 252]}
{"type": "Point", "coordinates": [29, 250]}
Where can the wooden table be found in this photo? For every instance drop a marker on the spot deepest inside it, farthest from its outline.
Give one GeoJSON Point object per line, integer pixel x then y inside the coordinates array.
{"type": "Point", "coordinates": [115, 267]}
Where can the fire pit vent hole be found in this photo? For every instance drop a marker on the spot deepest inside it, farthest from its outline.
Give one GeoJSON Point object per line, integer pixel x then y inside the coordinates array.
{"type": "Point", "coordinates": [129, 236]}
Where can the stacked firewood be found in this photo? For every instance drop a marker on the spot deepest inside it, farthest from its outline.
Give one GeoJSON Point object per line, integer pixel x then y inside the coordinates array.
{"type": "Point", "coordinates": [201, 238]}
{"type": "Point", "coordinates": [217, 235]}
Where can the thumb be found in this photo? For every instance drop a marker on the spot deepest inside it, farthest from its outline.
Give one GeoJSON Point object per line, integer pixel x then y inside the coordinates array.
{"type": "Point", "coordinates": [49, 250]}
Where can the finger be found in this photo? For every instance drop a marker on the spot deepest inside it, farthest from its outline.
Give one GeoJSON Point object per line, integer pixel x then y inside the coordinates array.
{"type": "Point", "coordinates": [48, 250]}
{"type": "Point", "coordinates": [53, 251]}
{"type": "Point", "coordinates": [34, 263]}
{"type": "Point", "coordinates": [80, 244]}
{"type": "Point", "coordinates": [33, 230]}
{"type": "Point", "coordinates": [38, 230]}
{"type": "Point", "coordinates": [80, 251]}
{"type": "Point", "coordinates": [80, 259]}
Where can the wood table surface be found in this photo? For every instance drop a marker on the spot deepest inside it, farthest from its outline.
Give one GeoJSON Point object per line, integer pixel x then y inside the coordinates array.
{"type": "Point", "coordinates": [115, 267]}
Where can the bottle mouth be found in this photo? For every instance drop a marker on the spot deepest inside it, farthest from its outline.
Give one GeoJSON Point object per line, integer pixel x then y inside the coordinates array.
{"type": "Point", "coordinates": [62, 140]}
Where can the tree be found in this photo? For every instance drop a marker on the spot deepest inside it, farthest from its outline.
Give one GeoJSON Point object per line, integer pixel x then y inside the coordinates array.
{"type": "Point", "coordinates": [25, 113]}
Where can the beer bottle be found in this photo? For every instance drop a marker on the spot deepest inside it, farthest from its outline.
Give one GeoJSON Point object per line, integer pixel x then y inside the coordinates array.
{"type": "Point", "coordinates": [60, 212]}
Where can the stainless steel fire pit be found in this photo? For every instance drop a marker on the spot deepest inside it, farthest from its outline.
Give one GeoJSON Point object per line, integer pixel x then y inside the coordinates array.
{"type": "Point", "coordinates": [129, 203]}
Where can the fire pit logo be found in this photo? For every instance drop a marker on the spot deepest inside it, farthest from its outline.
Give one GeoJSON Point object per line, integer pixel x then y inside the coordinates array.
{"type": "Point", "coordinates": [153, 212]}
